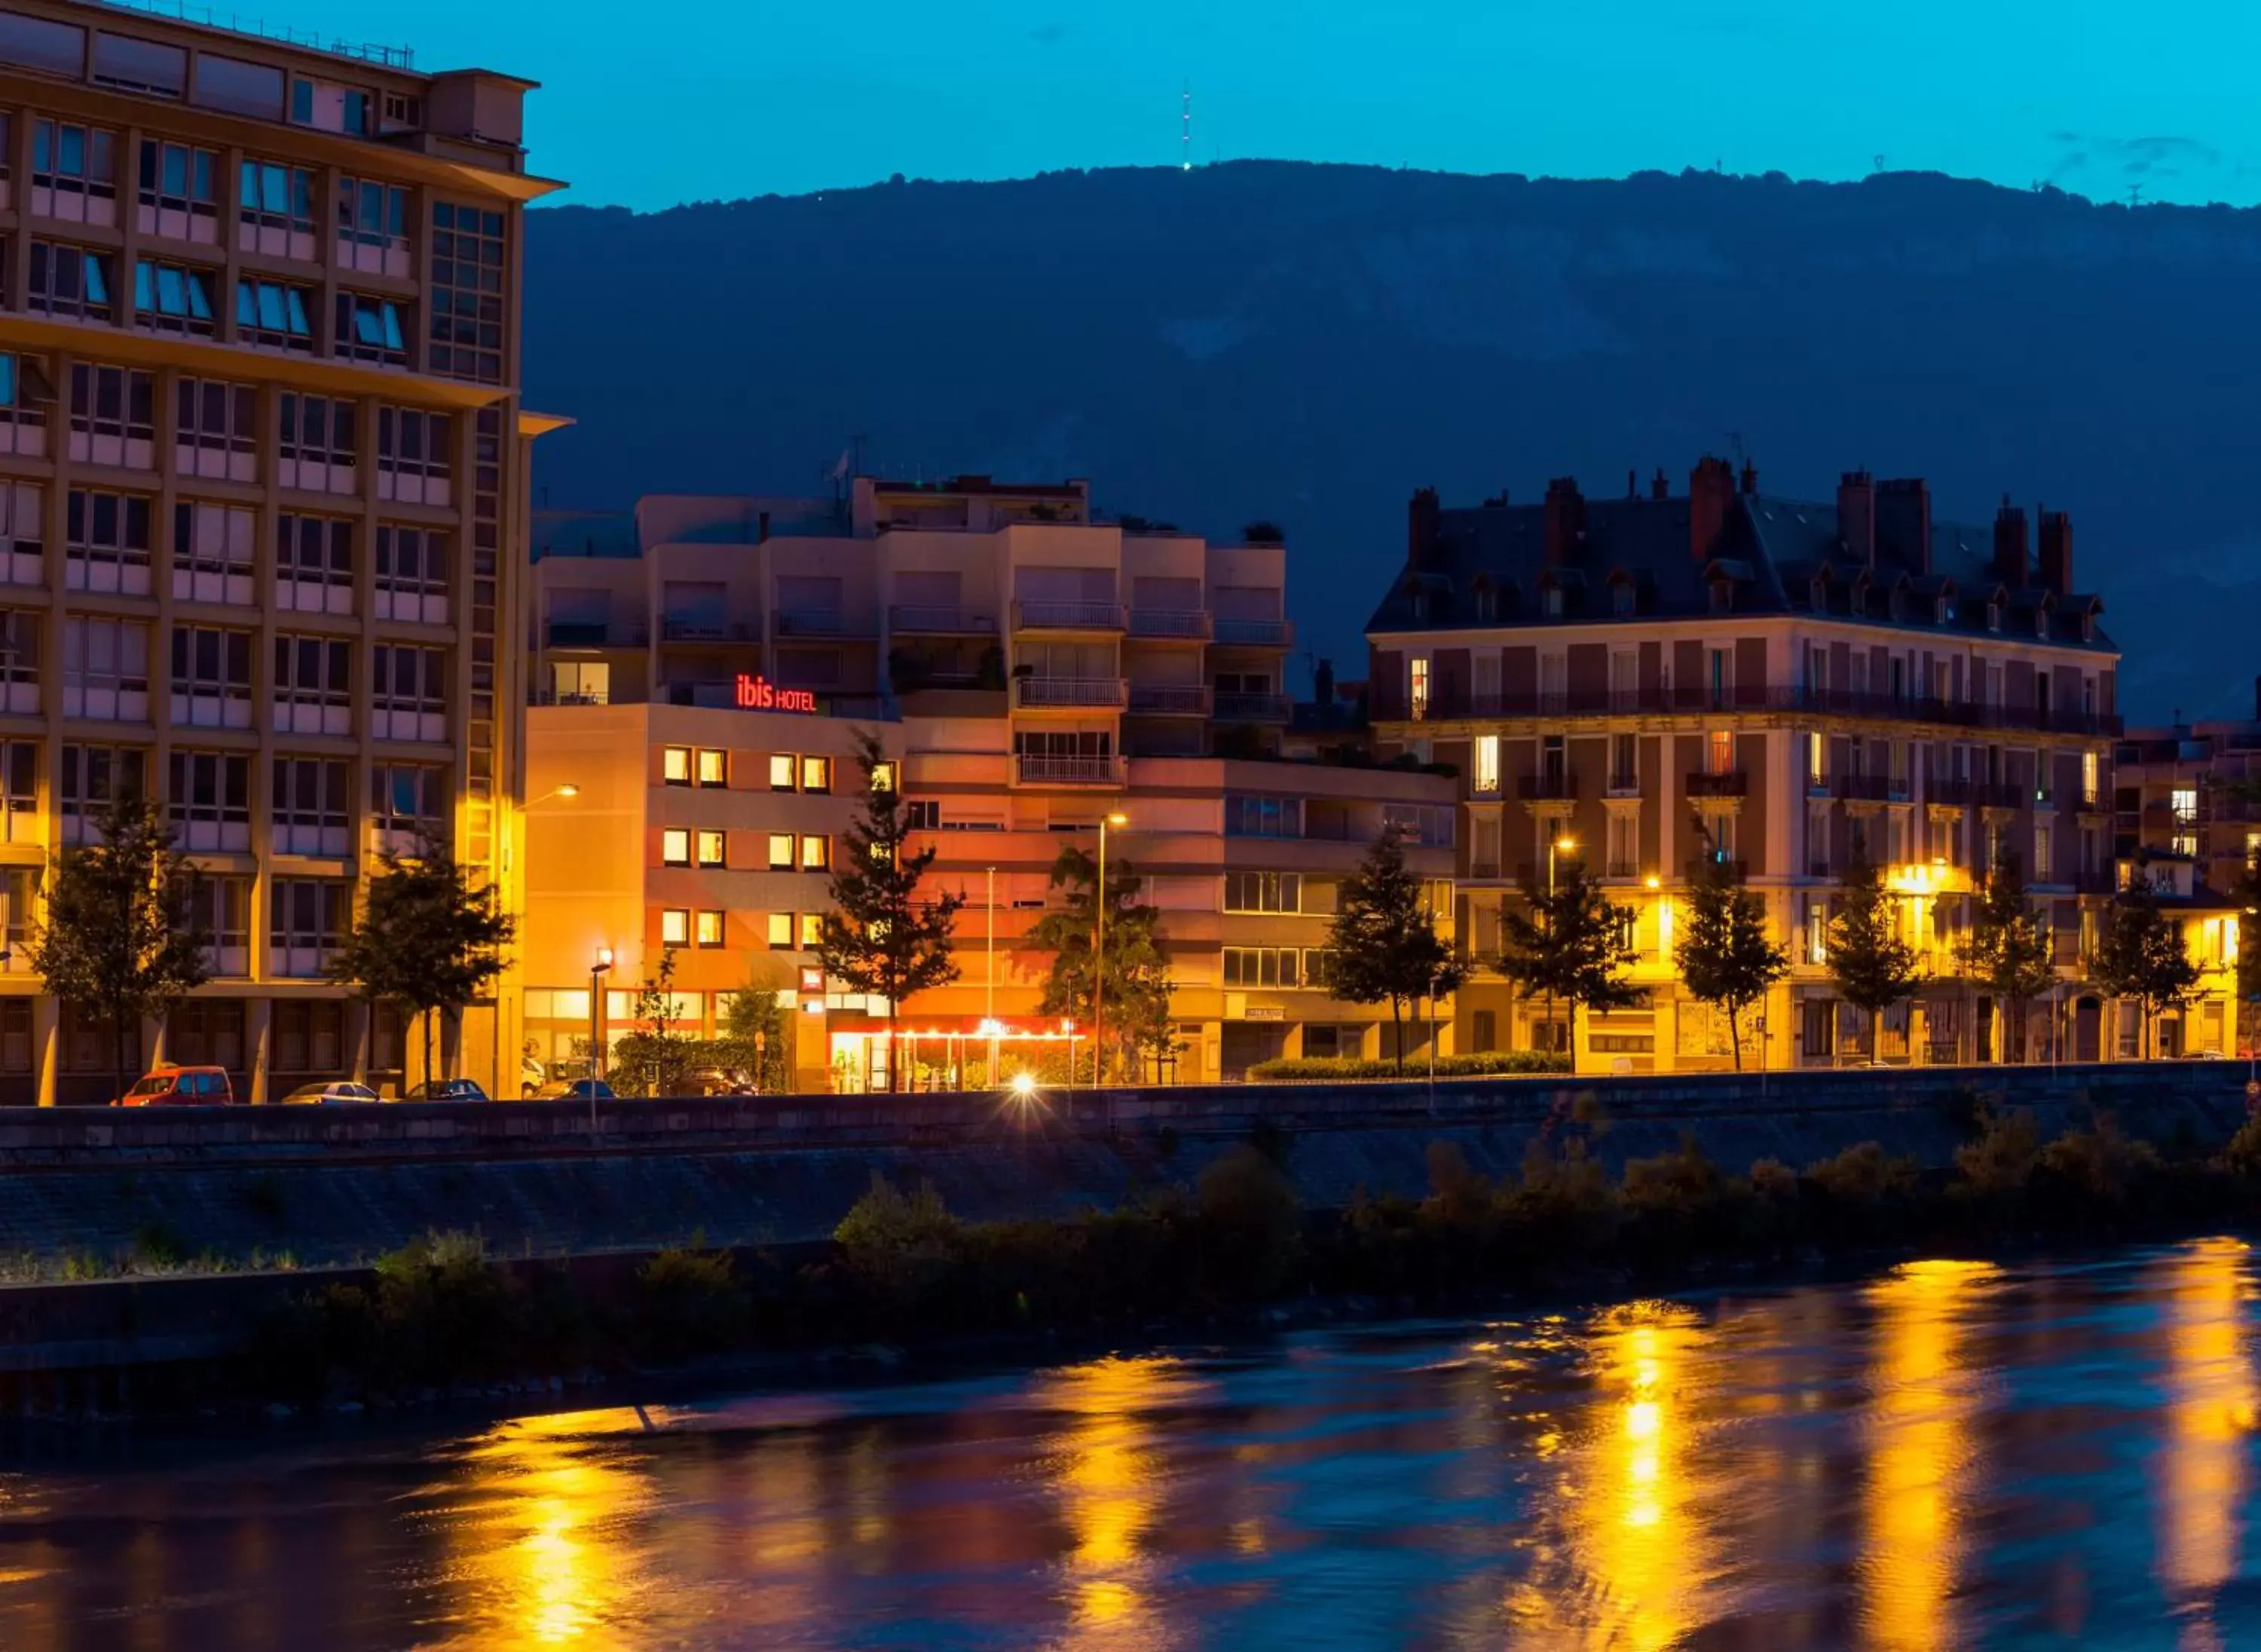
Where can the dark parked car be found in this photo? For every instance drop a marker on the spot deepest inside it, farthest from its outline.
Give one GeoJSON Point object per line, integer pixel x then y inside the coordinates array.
{"type": "Point", "coordinates": [573, 1090]}
{"type": "Point", "coordinates": [447, 1090]}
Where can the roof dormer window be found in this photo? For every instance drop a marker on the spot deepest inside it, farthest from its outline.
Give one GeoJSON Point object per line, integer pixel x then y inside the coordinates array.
{"type": "Point", "coordinates": [1723, 595]}
{"type": "Point", "coordinates": [1994, 616]}
{"type": "Point", "coordinates": [1420, 605]}
{"type": "Point", "coordinates": [2088, 627]}
{"type": "Point", "coordinates": [2040, 623]}
{"type": "Point", "coordinates": [1622, 598]}
{"type": "Point", "coordinates": [1944, 610]}
{"type": "Point", "coordinates": [1487, 603]}
{"type": "Point", "coordinates": [1554, 602]}
{"type": "Point", "coordinates": [1821, 594]}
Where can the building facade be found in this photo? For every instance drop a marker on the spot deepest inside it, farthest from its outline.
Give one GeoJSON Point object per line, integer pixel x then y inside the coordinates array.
{"type": "Point", "coordinates": [262, 463]}
{"type": "Point", "coordinates": [1039, 670]}
{"type": "Point", "coordinates": [1638, 682]}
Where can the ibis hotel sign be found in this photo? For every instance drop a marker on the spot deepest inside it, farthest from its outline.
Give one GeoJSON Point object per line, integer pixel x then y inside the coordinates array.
{"type": "Point", "coordinates": [758, 693]}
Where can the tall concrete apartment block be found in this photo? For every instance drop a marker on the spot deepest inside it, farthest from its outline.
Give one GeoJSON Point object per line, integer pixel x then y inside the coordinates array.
{"type": "Point", "coordinates": [1641, 680]}
{"type": "Point", "coordinates": [262, 474]}
{"type": "Point", "coordinates": [1037, 669]}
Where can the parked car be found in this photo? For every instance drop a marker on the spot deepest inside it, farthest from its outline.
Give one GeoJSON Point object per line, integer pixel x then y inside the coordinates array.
{"type": "Point", "coordinates": [335, 1090]}
{"type": "Point", "coordinates": [447, 1090]}
{"type": "Point", "coordinates": [573, 1090]}
{"type": "Point", "coordinates": [165, 1086]}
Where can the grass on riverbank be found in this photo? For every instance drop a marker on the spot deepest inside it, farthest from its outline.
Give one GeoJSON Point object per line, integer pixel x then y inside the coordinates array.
{"type": "Point", "coordinates": [902, 1267]}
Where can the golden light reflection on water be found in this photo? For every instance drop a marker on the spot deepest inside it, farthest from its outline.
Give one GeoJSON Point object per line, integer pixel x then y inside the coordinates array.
{"type": "Point", "coordinates": [1635, 1557]}
{"type": "Point", "coordinates": [1108, 1475]}
{"type": "Point", "coordinates": [2210, 1405]}
{"type": "Point", "coordinates": [544, 1561]}
{"type": "Point", "coordinates": [1920, 1471]}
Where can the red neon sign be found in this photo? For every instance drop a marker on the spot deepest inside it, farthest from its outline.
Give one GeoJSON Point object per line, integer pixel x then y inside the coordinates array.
{"type": "Point", "coordinates": [755, 693]}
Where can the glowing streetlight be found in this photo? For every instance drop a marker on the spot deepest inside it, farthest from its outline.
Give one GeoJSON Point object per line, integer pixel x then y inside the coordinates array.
{"type": "Point", "coordinates": [1563, 845]}
{"type": "Point", "coordinates": [1653, 881]}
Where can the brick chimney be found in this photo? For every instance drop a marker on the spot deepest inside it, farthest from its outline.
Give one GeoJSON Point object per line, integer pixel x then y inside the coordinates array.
{"type": "Point", "coordinates": [2010, 545]}
{"type": "Point", "coordinates": [2057, 551]}
{"type": "Point", "coordinates": [1566, 520]}
{"type": "Point", "coordinates": [1660, 486]}
{"type": "Point", "coordinates": [1711, 490]}
{"type": "Point", "coordinates": [1904, 520]}
{"type": "Point", "coordinates": [1856, 516]}
{"type": "Point", "coordinates": [1422, 517]}
{"type": "Point", "coordinates": [1750, 479]}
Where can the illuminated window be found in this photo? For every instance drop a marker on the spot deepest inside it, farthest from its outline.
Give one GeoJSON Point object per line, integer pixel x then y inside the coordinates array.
{"type": "Point", "coordinates": [812, 929]}
{"type": "Point", "coordinates": [2184, 801]}
{"type": "Point", "coordinates": [675, 847]}
{"type": "Point", "coordinates": [710, 929]}
{"type": "Point", "coordinates": [816, 774]}
{"type": "Point", "coordinates": [815, 854]}
{"type": "Point", "coordinates": [714, 768]}
{"type": "Point", "coordinates": [780, 851]}
{"type": "Point", "coordinates": [674, 927]}
{"type": "Point", "coordinates": [1817, 758]}
{"type": "Point", "coordinates": [1487, 775]}
{"type": "Point", "coordinates": [883, 777]}
{"type": "Point", "coordinates": [1720, 751]}
{"type": "Point", "coordinates": [780, 928]}
{"type": "Point", "coordinates": [710, 849]}
{"type": "Point", "coordinates": [2088, 778]}
{"type": "Point", "coordinates": [1417, 683]}
{"type": "Point", "coordinates": [1263, 891]}
{"type": "Point", "coordinates": [675, 765]}
{"type": "Point", "coordinates": [781, 771]}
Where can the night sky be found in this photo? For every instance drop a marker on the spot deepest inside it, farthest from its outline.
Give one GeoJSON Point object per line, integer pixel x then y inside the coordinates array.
{"type": "Point", "coordinates": [647, 106]}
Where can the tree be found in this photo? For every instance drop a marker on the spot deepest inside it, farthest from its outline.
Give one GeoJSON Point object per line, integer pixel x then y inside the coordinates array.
{"type": "Point", "coordinates": [1383, 945]}
{"type": "Point", "coordinates": [655, 1060]}
{"type": "Point", "coordinates": [428, 940]}
{"type": "Point", "coordinates": [2142, 955]}
{"type": "Point", "coordinates": [881, 937]}
{"type": "Point", "coordinates": [1569, 942]}
{"type": "Point", "coordinates": [757, 1034]}
{"type": "Point", "coordinates": [1723, 954]}
{"type": "Point", "coordinates": [2008, 951]}
{"type": "Point", "coordinates": [1133, 970]}
{"type": "Point", "coordinates": [1873, 967]}
{"type": "Point", "coordinates": [121, 939]}
{"type": "Point", "coordinates": [2247, 893]}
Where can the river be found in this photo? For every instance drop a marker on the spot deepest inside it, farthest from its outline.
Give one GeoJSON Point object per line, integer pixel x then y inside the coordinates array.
{"type": "Point", "coordinates": [1949, 1454]}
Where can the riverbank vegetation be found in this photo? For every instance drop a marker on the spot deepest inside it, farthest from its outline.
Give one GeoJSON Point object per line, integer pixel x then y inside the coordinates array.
{"type": "Point", "coordinates": [901, 1267]}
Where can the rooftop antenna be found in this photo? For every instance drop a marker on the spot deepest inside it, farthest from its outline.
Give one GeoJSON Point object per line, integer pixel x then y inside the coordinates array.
{"type": "Point", "coordinates": [1186, 129]}
{"type": "Point", "coordinates": [2134, 195]}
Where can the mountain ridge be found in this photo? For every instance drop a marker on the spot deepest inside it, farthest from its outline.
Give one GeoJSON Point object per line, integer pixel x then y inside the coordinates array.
{"type": "Point", "coordinates": [1310, 342]}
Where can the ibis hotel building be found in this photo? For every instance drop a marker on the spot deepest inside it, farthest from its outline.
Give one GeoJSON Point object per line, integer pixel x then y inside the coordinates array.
{"type": "Point", "coordinates": [263, 507]}
{"type": "Point", "coordinates": [1637, 681]}
{"type": "Point", "coordinates": [1035, 671]}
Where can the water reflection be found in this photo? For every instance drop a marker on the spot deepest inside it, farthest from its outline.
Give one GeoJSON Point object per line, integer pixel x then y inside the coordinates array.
{"type": "Point", "coordinates": [1108, 1474]}
{"type": "Point", "coordinates": [1634, 1559]}
{"type": "Point", "coordinates": [2208, 1376]}
{"type": "Point", "coordinates": [1921, 1468]}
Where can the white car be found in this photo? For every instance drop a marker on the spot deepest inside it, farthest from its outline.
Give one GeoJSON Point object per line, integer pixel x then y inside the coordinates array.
{"type": "Point", "coordinates": [338, 1090]}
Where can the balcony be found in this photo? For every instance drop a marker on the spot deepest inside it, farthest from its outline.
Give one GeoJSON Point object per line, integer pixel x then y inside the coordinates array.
{"type": "Point", "coordinates": [917, 619]}
{"type": "Point", "coordinates": [583, 634]}
{"type": "Point", "coordinates": [1068, 616]}
{"type": "Point", "coordinates": [1869, 788]}
{"type": "Point", "coordinates": [1547, 788]}
{"type": "Point", "coordinates": [1738, 871]}
{"type": "Point", "coordinates": [1252, 708]}
{"type": "Point", "coordinates": [1065, 694]}
{"type": "Point", "coordinates": [707, 629]}
{"type": "Point", "coordinates": [1256, 633]}
{"type": "Point", "coordinates": [1451, 701]}
{"type": "Point", "coordinates": [817, 623]}
{"type": "Point", "coordinates": [1031, 768]}
{"type": "Point", "coordinates": [1621, 871]}
{"type": "Point", "coordinates": [1622, 785]}
{"type": "Point", "coordinates": [1734, 783]}
{"type": "Point", "coordinates": [1169, 699]}
{"type": "Point", "coordinates": [1190, 625]}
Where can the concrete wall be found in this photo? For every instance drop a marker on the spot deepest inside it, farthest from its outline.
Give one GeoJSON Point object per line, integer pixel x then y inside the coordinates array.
{"type": "Point", "coordinates": [337, 1185]}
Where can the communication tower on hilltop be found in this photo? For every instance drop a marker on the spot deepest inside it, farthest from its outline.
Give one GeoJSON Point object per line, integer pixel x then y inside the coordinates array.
{"type": "Point", "coordinates": [1186, 130]}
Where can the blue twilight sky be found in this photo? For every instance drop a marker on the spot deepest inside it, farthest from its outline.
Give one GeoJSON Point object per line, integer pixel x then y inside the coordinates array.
{"type": "Point", "coordinates": [647, 105]}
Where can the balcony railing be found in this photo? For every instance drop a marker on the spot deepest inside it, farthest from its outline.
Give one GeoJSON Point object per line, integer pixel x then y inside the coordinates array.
{"type": "Point", "coordinates": [1448, 700]}
{"type": "Point", "coordinates": [1622, 785]}
{"type": "Point", "coordinates": [1170, 700]}
{"type": "Point", "coordinates": [1032, 768]}
{"type": "Point", "coordinates": [581, 634]}
{"type": "Point", "coordinates": [1734, 783]}
{"type": "Point", "coordinates": [1068, 616]}
{"type": "Point", "coordinates": [1252, 707]}
{"type": "Point", "coordinates": [702, 628]}
{"type": "Point", "coordinates": [1621, 871]}
{"type": "Point", "coordinates": [1540, 788]}
{"type": "Point", "coordinates": [1192, 624]}
{"type": "Point", "coordinates": [1869, 788]}
{"type": "Point", "coordinates": [1099, 692]}
{"type": "Point", "coordinates": [813, 623]}
{"type": "Point", "coordinates": [920, 620]}
{"type": "Point", "coordinates": [1256, 633]}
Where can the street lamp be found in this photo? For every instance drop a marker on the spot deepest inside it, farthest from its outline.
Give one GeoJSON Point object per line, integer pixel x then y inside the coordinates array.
{"type": "Point", "coordinates": [568, 790]}
{"type": "Point", "coordinates": [1099, 956]}
{"type": "Point", "coordinates": [598, 970]}
{"type": "Point", "coordinates": [1565, 844]}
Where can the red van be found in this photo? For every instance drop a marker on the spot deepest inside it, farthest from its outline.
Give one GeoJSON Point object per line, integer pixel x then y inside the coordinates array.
{"type": "Point", "coordinates": [180, 1086]}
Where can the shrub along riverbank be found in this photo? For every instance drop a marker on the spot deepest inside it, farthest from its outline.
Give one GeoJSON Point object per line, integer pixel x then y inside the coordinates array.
{"type": "Point", "coordinates": [902, 1268]}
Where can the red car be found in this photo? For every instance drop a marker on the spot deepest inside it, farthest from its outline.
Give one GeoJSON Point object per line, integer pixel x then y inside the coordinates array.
{"type": "Point", "coordinates": [180, 1086]}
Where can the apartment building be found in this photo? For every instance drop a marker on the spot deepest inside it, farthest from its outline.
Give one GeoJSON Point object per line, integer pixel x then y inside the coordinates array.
{"type": "Point", "coordinates": [1638, 682]}
{"type": "Point", "coordinates": [262, 502]}
{"type": "Point", "coordinates": [1039, 670]}
{"type": "Point", "coordinates": [2193, 790]}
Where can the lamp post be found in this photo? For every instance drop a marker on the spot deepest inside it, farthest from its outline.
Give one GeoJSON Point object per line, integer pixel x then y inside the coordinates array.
{"type": "Point", "coordinates": [1099, 958]}
{"type": "Point", "coordinates": [598, 970]}
{"type": "Point", "coordinates": [1565, 844]}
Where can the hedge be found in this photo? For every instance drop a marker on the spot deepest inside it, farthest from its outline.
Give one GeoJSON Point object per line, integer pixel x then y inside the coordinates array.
{"type": "Point", "coordinates": [1309, 1069]}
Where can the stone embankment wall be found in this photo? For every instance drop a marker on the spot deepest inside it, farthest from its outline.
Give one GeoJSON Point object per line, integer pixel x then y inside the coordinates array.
{"type": "Point", "coordinates": [336, 1186]}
